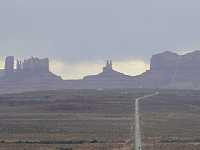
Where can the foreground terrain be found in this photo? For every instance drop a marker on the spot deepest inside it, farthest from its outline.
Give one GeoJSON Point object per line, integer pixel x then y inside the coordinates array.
{"type": "Point", "coordinates": [98, 120]}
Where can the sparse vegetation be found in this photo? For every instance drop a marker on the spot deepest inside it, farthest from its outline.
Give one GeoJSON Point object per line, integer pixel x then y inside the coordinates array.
{"type": "Point", "coordinates": [93, 120]}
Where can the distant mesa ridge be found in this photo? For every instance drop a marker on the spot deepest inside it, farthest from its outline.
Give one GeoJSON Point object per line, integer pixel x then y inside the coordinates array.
{"type": "Point", "coordinates": [32, 69]}
{"type": "Point", "coordinates": [167, 70]}
{"type": "Point", "coordinates": [170, 70]}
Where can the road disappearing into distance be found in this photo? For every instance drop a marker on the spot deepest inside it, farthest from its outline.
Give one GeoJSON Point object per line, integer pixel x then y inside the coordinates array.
{"type": "Point", "coordinates": [138, 140]}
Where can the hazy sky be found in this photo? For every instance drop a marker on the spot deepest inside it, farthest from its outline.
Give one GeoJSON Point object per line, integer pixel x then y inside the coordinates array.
{"type": "Point", "coordinates": [78, 35]}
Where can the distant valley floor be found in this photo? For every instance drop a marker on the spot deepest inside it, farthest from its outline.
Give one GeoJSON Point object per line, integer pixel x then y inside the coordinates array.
{"type": "Point", "coordinates": [98, 119]}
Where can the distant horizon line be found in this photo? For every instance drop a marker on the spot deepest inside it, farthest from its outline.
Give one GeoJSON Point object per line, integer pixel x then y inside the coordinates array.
{"type": "Point", "coordinates": [98, 70]}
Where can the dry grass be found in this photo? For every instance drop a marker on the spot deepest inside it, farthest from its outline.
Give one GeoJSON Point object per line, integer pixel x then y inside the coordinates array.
{"type": "Point", "coordinates": [104, 116]}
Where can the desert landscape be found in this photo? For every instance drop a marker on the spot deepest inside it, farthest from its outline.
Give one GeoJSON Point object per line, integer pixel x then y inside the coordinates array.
{"type": "Point", "coordinates": [99, 75]}
{"type": "Point", "coordinates": [98, 120]}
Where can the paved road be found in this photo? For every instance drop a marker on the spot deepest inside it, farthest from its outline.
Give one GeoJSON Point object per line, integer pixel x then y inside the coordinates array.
{"type": "Point", "coordinates": [138, 141]}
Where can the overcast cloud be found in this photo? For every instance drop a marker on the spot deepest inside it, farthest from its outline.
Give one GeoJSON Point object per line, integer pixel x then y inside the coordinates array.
{"type": "Point", "coordinates": [85, 31]}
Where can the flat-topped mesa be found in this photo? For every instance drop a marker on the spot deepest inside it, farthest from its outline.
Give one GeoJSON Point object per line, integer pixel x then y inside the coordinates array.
{"type": "Point", "coordinates": [169, 69]}
{"type": "Point", "coordinates": [164, 61]}
{"type": "Point", "coordinates": [34, 68]}
{"type": "Point", "coordinates": [34, 64]}
{"type": "Point", "coordinates": [169, 61]}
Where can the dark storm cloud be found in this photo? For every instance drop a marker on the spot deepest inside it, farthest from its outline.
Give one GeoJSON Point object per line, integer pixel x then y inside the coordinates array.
{"type": "Point", "coordinates": [78, 30]}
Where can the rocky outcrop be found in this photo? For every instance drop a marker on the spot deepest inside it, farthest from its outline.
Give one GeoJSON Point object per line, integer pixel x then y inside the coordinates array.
{"type": "Point", "coordinates": [169, 61]}
{"type": "Point", "coordinates": [170, 70]}
{"type": "Point", "coordinates": [164, 61]}
{"type": "Point", "coordinates": [29, 70]}
{"type": "Point", "coordinates": [108, 78]}
{"type": "Point", "coordinates": [167, 70]}
{"type": "Point", "coordinates": [34, 64]}
{"type": "Point", "coordinates": [108, 74]}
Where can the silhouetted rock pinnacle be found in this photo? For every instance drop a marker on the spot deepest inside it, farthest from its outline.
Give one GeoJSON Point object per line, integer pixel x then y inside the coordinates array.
{"type": "Point", "coordinates": [167, 70]}
{"type": "Point", "coordinates": [108, 74]}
